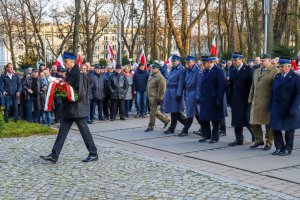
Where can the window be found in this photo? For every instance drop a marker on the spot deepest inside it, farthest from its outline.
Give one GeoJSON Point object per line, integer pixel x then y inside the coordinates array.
{"type": "Point", "coordinates": [105, 38]}
{"type": "Point", "coordinates": [21, 46]}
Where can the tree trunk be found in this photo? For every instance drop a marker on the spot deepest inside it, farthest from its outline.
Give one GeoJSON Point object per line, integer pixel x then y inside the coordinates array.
{"type": "Point", "coordinates": [76, 26]}
{"type": "Point", "coordinates": [280, 23]}
{"type": "Point", "coordinates": [232, 44]}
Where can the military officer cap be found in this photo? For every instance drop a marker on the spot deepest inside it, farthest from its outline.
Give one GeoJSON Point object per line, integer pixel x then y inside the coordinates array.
{"type": "Point", "coordinates": [175, 57]}
{"type": "Point", "coordinates": [208, 58]}
{"type": "Point", "coordinates": [223, 61]}
{"type": "Point", "coordinates": [155, 65]}
{"type": "Point", "coordinates": [118, 66]}
{"type": "Point", "coordinates": [97, 66]}
{"type": "Point", "coordinates": [190, 58]}
{"type": "Point", "coordinates": [283, 61]}
{"type": "Point", "coordinates": [69, 56]}
{"type": "Point", "coordinates": [236, 56]}
{"type": "Point", "coordinates": [266, 56]}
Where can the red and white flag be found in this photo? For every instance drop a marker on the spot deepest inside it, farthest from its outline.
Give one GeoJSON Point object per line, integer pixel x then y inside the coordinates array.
{"type": "Point", "coordinates": [110, 53]}
{"type": "Point", "coordinates": [79, 60]}
{"type": "Point", "coordinates": [213, 50]}
{"type": "Point", "coordinates": [143, 59]}
{"type": "Point", "coordinates": [59, 61]}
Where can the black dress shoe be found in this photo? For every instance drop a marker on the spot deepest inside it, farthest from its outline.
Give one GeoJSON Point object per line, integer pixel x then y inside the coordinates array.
{"type": "Point", "coordinates": [255, 145]}
{"type": "Point", "coordinates": [267, 148]}
{"type": "Point", "coordinates": [166, 124]}
{"type": "Point", "coordinates": [122, 118]}
{"type": "Point", "coordinates": [213, 141]}
{"type": "Point", "coordinates": [168, 132]}
{"type": "Point", "coordinates": [49, 158]}
{"type": "Point", "coordinates": [149, 130]}
{"type": "Point", "coordinates": [113, 119]}
{"type": "Point", "coordinates": [203, 140]}
{"type": "Point", "coordinates": [285, 153]}
{"type": "Point", "coordinates": [89, 122]}
{"type": "Point", "coordinates": [222, 133]}
{"type": "Point", "coordinates": [277, 152]}
{"type": "Point", "coordinates": [235, 143]}
{"type": "Point", "coordinates": [182, 134]}
{"type": "Point", "coordinates": [91, 158]}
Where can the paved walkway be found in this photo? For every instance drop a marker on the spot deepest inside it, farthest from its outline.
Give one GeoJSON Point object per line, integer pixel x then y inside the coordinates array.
{"type": "Point", "coordinates": [138, 165]}
{"type": "Point", "coordinates": [117, 175]}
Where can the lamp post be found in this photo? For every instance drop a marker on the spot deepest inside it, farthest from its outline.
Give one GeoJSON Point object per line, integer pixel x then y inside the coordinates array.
{"type": "Point", "coordinates": [266, 13]}
{"type": "Point", "coordinates": [120, 33]}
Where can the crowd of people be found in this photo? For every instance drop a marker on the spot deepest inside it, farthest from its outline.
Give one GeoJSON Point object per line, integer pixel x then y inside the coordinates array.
{"type": "Point", "coordinates": [265, 91]}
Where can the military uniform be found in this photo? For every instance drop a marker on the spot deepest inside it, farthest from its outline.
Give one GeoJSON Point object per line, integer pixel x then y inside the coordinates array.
{"type": "Point", "coordinates": [74, 112]}
{"type": "Point", "coordinates": [285, 110]}
{"type": "Point", "coordinates": [156, 87]}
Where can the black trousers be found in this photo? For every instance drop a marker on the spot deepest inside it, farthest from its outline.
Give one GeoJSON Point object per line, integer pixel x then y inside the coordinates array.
{"type": "Point", "coordinates": [117, 105]}
{"type": "Point", "coordinates": [289, 140]}
{"type": "Point", "coordinates": [64, 128]}
{"type": "Point", "coordinates": [238, 131]}
{"type": "Point", "coordinates": [106, 107]}
{"type": "Point", "coordinates": [99, 104]}
{"type": "Point", "coordinates": [57, 111]}
{"type": "Point", "coordinates": [208, 133]}
{"type": "Point", "coordinates": [177, 117]}
{"type": "Point", "coordinates": [188, 124]}
{"type": "Point", "coordinates": [223, 125]}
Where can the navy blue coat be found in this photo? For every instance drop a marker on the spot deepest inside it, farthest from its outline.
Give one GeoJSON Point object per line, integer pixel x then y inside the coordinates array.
{"type": "Point", "coordinates": [175, 84]}
{"type": "Point", "coordinates": [164, 71]}
{"type": "Point", "coordinates": [285, 102]}
{"type": "Point", "coordinates": [240, 84]}
{"type": "Point", "coordinates": [140, 80]}
{"type": "Point", "coordinates": [10, 86]}
{"type": "Point", "coordinates": [192, 85]}
{"type": "Point", "coordinates": [211, 94]}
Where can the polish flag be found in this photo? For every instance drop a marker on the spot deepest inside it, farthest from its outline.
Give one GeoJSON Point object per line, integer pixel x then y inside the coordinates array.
{"type": "Point", "coordinates": [59, 61]}
{"type": "Point", "coordinates": [213, 50]}
{"type": "Point", "coordinates": [110, 53]}
{"type": "Point", "coordinates": [143, 59]}
{"type": "Point", "coordinates": [79, 60]}
{"type": "Point", "coordinates": [168, 61]}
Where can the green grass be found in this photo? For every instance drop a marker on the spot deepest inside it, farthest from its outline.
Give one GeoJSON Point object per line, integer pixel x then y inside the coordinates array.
{"type": "Point", "coordinates": [25, 129]}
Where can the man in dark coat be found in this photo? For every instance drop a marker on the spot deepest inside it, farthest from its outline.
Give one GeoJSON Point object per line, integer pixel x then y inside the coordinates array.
{"type": "Point", "coordinates": [118, 86]}
{"type": "Point", "coordinates": [173, 98]}
{"type": "Point", "coordinates": [192, 85]}
{"type": "Point", "coordinates": [285, 108]}
{"type": "Point", "coordinates": [240, 84]}
{"type": "Point", "coordinates": [74, 112]}
{"type": "Point", "coordinates": [212, 93]}
{"type": "Point", "coordinates": [98, 92]}
{"type": "Point", "coordinates": [10, 87]}
{"type": "Point", "coordinates": [106, 101]}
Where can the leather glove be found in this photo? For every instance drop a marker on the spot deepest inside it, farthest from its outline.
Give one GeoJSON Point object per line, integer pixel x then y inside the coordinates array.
{"type": "Point", "coordinates": [178, 98]}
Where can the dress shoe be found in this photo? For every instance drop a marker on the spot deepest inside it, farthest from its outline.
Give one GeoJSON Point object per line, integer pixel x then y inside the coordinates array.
{"type": "Point", "coordinates": [182, 134]}
{"type": "Point", "coordinates": [102, 119]}
{"type": "Point", "coordinates": [213, 141]}
{"type": "Point", "coordinates": [149, 130]}
{"type": "Point", "coordinates": [89, 122]}
{"type": "Point", "coordinates": [255, 145]}
{"type": "Point", "coordinates": [235, 143]}
{"type": "Point", "coordinates": [49, 158]}
{"type": "Point", "coordinates": [168, 132]}
{"type": "Point", "coordinates": [91, 158]}
{"type": "Point", "coordinates": [277, 152]}
{"type": "Point", "coordinates": [143, 116]}
{"type": "Point", "coordinates": [113, 119]}
{"type": "Point", "coordinates": [166, 124]}
{"type": "Point", "coordinates": [203, 140]}
{"type": "Point", "coordinates": [122, 118]}
{"type": "Point", "coordinates": [285, 153]}
{"type": "Point", "coordinates": [267, 148]}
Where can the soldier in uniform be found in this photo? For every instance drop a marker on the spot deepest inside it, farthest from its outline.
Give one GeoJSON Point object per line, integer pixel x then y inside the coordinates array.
{"type": "Point", "coordinates": [285, 108]}
{"type": "Point", "coordinates": [192, 86]}
{"type": "Point", "coordinates": [240, 84]}
{"type": "Point", "coordinates": [74, 112]}
{"type": "Point", "coordinates": [156, 87]}
{"type": "Point", "coordinates": [173, 99]}
{"type": "Point", "coordinates": [212, 93]}
{"type": "Point", "coordinates": [259, 97]}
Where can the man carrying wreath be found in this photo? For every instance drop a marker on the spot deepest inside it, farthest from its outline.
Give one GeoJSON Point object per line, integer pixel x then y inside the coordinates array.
{"type": "Point", "coordinates": [74, 112]}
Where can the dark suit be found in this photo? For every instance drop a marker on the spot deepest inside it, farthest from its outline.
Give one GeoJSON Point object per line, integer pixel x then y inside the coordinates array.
{"type": "Point", "coordinates": [211, 101]}
{"type": "Point", "coordinates": [285, 109]}
{"type": "Point", "coordinates": [75, 112]}
{"type": "Point", "coordinates": [240, 84]}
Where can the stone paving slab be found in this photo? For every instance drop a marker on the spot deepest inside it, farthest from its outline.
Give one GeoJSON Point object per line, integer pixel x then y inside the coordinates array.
{"type": "Point", "coordinates": [116, 175]}
{"type": "Point", "coordinates": [286, 173]}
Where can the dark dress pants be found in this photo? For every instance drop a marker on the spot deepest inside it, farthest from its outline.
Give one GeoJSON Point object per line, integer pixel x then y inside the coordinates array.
{"type": "Point", "coordinates": [289, 140]}
{"type": "Point", "coordinates": [177, 117]}
{"type": "Point", "coordinates": [65, 126]}
{"type": "Point", "coordinates": [206, 129]}
{"type": "Point", "coordinates": [117, 105]}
